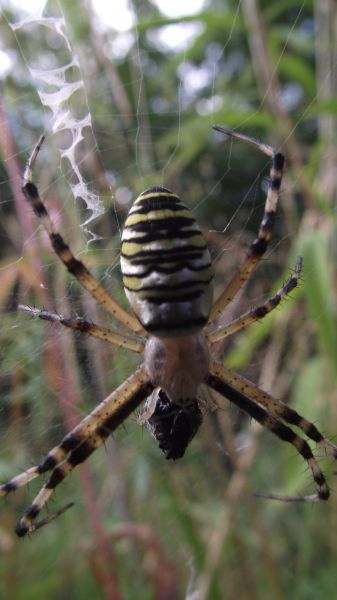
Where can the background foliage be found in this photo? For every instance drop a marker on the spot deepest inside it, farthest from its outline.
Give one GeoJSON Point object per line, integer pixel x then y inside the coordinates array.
{"type": "Point", "coordinates": [143, 528]}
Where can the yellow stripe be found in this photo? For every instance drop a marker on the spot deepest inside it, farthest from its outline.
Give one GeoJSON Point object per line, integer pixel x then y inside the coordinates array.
{"type": "Point", "coordinates": [156, 195]}
{"type": "Point", "coordinates": [136, 283]}
{"type": "Point", "coordinates": [156, 215]}
{"type": "Point", "coordinates": [129, 248]}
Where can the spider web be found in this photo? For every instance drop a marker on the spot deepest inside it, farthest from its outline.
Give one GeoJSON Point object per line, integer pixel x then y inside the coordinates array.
{"type": "Point", "coordinates": [61, 90]}
{"type": "Point", "coordinates": [59, 78]}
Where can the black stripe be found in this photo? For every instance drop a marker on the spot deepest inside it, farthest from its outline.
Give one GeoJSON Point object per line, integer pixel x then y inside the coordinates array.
{"type": "Point", "coordinates": [71, 440]}
{"type": "Point", "coordinates": [119, 416]}
{"type": "Point", "coordinates": [33, 511]}
{"type": "Point", "coordinates": [291, 416]}
{"type": "Point", "coordinates": [57, 476]}
{"type": "Point", "coordinates": [155, 268]}
{"type": "Point", "coordinates": [163, 254]}
{"type": "Point", "coordinates": [9, 486]}
{"type": "Point", "coordinates": [258, 247]}
{"type": "Point", "coordinates": [156, 189]}
{"type": "Point", "coordinates": [275, 183]}
{"type": "Point", "coordinates": [278, 162]}
{"type": "Point", "coordinates": [169, 223]}
{"type": "Point", "coordinates": [80, 454]}
{"type": "Point", "coordinates": [21, 529]}
{"type": "Point", "coordinates": [161, 299]}
{"type": "Point", "coordinates": [158, 235]}
{"type": "Point", "coordinates": [30, 191]}
{"type": "Point", "coordinates": [153, 260]}
{"type": "Point", "coordinates": [74, 266]}
{"type": "Point", "coordinates": [49, 463]}
{"type": "Point", "coordinates": [320, 480]}
{"type": "Point", "coordinates": [32, 195]}
{"type": "Point", "coordinates": [154, 204]}
{"type": "Point", "coordinates": [267, 221]}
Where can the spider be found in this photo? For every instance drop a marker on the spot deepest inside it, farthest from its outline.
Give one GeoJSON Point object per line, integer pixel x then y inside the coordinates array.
{"type": "Point", "coordinates": [168, 280]}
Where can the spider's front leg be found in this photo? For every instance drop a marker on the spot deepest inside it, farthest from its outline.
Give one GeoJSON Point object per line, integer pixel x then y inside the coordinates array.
{"type": "Point", "coordinates": [260, 244]}
{"type": "Point", "coordinates": [74, 266]}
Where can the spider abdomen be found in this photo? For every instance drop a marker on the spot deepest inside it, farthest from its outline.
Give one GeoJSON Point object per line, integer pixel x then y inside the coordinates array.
{"type": "Point", "coordinates": [166, 266]}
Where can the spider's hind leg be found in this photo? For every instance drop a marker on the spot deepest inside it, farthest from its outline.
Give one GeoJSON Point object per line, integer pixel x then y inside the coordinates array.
{"type": "Point", "coordinates": [275, 407]}
{"type": "Point", "coordinates": [79, 444]}
{"type": "Point", "coordinates": [282, 431]}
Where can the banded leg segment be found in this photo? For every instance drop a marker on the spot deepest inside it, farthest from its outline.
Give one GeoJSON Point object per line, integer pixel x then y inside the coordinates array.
{"type": "Point", "coordinates": [113, 406]}
{"type": "Point", "coordinates": [273, 405]}
{"type": "Point", "coordinates": [82, 441]}
{"type": "Point", "coordinates": [74, 266]}
{"type": "Point", "coordinates": [87, 327]}
{"type": "Point", "coordinates": [260, 244]}
{"type": "Point", "coordinates": [281, 431]}
{"type": "Point", "coordinates": [257, 313]}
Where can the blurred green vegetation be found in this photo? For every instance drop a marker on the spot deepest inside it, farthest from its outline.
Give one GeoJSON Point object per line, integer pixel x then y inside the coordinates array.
{"type": "Point", "coordinates": [143, 528]}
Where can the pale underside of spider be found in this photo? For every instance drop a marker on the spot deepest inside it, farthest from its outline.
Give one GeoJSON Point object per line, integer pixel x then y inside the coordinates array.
{"type": "Point", "coordinates": [168, 279]}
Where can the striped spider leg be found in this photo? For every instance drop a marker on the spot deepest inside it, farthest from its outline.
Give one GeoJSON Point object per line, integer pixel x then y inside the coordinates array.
{"type": "Point", "coordinates": [136, 344]}
{"type": "Point", "coordinates": [92, 431]}
{"type": "Point", "coordinates": [257, 313]}
{"type": "Point", "coordinates": [74, 266]}
{"type": "Point", "coordinates": [79, 444]}
{"type": "Point", "coordinates": [268, 411]}
{"type": "Point", "coordinates": [172, 426]}
{"type": "Point", "coordinates": [168, 279]}
{"type": "Point", "coordinates": [274, 415]}
{"type": "Point", "coordinates": [260, 244]}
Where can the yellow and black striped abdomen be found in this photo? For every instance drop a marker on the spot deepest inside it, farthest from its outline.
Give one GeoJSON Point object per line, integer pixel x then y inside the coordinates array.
{"type": "Point", "coordinates": [166, 266]}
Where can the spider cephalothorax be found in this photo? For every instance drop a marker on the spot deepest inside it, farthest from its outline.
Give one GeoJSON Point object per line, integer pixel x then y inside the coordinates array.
{"type": "Point", "coordinates": [167, 274]}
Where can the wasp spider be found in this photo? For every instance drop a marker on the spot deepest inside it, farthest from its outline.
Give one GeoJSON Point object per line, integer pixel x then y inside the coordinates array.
{"type": "Point", "coordinates": [168, 279]}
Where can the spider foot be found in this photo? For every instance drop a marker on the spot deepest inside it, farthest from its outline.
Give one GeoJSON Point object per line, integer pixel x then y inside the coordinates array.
{"type": "Point", "coordinates": [19, 481]}
{"type": "Point", "coordinates": [328, 446]}
{"type": "Point", "coordinates": [262, 146]}
{"type": "Point", "coordinates": [27, 525]}
{"type": "Point", "coordinates": [281, 498]}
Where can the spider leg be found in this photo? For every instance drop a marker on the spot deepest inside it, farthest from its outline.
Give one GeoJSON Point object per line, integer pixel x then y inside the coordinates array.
{"type": "Point", "coordinates": [273, 405]}
{"type": "Point", "coordinates": [86, 327]}
{"type": "Point", "coordinates": [257, 313]}
{"type": "Point", "coordinates": [80, 443]}
{"type": "Point", "coordinates": [112, 406]}
{"type": "Point", "coordinates": [278, 428]}
{"type": "Point", "coordinates": [53, 516]}
{"type": "Point", "coordinates": [260, 244]}
{"type": "Point", "coordinates": [74, 266]}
